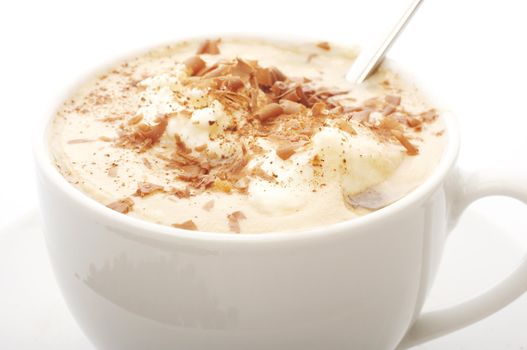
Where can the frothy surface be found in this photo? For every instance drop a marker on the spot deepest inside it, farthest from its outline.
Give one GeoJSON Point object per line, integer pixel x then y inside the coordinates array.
{"type": "Point", "coordinates": [249, 136]}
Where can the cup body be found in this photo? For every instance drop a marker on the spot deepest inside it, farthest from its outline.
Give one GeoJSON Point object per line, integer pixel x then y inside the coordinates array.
{"type": "Point", "coordinates": [345, 286]}
{"type": "Point", "coordinates": [132, 284]}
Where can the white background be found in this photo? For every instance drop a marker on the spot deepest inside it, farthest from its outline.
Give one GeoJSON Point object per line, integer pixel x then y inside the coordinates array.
{"type": "Point", "coordinates": [473, 52]}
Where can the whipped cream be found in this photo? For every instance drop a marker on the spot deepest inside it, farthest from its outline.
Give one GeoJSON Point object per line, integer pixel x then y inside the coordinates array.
{"type": "Point", "coordinates": [157, 99]}
{"type": "Point", "coordinates": [354, 162]}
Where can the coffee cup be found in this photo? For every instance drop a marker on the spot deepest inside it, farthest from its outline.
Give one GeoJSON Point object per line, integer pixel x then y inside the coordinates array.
{"type": "Point", "coordinates": [359, 284]}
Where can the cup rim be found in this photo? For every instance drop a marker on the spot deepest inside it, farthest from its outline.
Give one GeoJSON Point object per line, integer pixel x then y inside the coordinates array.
{"type": "Point", "coordinates": [142, 227]}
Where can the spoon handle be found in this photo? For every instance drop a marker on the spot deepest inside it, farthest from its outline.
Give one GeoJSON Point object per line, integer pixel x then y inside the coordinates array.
{"type": "Point", "coordinates": [370, 58]}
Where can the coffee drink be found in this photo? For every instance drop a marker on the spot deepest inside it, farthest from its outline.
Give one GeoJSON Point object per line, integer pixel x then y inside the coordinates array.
{"type": "Point", "coordinates": [245, 135]}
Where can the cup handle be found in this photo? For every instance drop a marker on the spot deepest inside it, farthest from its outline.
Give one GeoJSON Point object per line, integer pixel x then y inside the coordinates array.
{"type": "Point", "coordinates": [462, 190]}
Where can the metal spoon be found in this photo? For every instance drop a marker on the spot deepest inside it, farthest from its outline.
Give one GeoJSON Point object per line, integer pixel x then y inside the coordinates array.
{"type": "Point", "coordinates": [370, 58]}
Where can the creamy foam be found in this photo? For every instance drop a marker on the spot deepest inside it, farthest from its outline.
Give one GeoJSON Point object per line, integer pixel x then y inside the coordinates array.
{"type": "Point", "coordinates": [161, 141]}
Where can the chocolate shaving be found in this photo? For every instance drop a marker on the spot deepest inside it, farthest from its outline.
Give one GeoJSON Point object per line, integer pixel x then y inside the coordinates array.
{"type": "Point", "coordinates": [242, 69]}
{"type": "Point", "coordinates": [145, 135]}
{"type": "Point", "coordinates": [213, 71]}
{"type": "Point", "coordinates": [147, 163]}
{"type": "Point", "coordinates": [310, 57]}
{"type": "Point", "coordinates": [372, 102]}
{"type": "Point", "coordinates": [135, 120]}
{"type": "Point", "coordinates": [112, 118]}
{"type": "Point", "coordinates": [147, 188]}
{"type": "Point", "coordinates": [264, 77]}
{"type": "Point", "coordinates": [369, 199]}
{"type": "Point", "coordinates": [337, 110]}
{"type": "Point", "coordinates": [204, 181]}
{"type": "Point", "coordinates": [76, 141]}
{"type": "Point", "coordinates": [122, 206]}
{"type": "Point", "coordinates": [389, 123]}
{"type": "Point", "coordinates": [346, 127]}
{"type": "Point", "coordinates": [194, 64]}
{"type": "Point", "coordinates": [181, 146]}
{"type": "Point", "coordinates": [201, 148]}
{"type": "Point", "coordinates": [361, 116]}
{"type": "Point", "coordinates": [296, 95]}
{"type": "Point", "coordinates": [242, 185]}
{"type": "Point", "coordinates": [326, 94]}
{"type": "Point", "coordinates": [209, 47]}
{"type": "Point", "coordinates": [285, 152]}
{"type": "Point", "coordinates": [259, 172]}
{"type": "Point", "coordinates": [324, 45]}
{"type": "Point", "coordinates": [187, 225]}
{"type": "Point", "coordinates": [389, 109]}
{"type": "Point", "coordinates": [180, 193]}
{"type": "Point", "coordinates": [410, 149]}
{"type": "Point", "coordinates": [233, 99]}
{"type": "Point", "coordinates": [267, 77]}
{"type": "Point", "coordinates": [291, 107]}
{"type": "Point", "coordinates": [268, 112]}
{"type": "Point", "coordinates": [278, 75]}
{"type": "Point", "coordinates": [191, 172]}
{"type": "Point", "coordinates": [393, 100]}
{"type": "Point", "coordinates": [222, 186]}
{"type": "Point", "coordinates": [234, 221]}
{"type": "Point", "coordinates": [231, 83]}
{"type": "Point", "coordinates": [429, 115]}
{"type": "Point", "coordinates": [318, 109]}
{"type": "Point", "coordinates": [414, 122]}
{"type": "Point", "coordinates": [278, 89]}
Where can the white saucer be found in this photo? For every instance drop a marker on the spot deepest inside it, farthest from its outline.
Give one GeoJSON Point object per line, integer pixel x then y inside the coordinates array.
{"type": "Point", "coordinates": [479, 251]}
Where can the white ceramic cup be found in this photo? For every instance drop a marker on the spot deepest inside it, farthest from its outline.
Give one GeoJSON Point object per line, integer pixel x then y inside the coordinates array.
{"type": "Point", "coordinates": [360, 284]}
